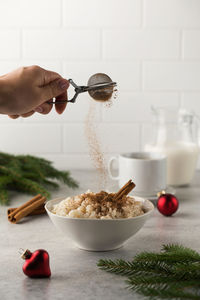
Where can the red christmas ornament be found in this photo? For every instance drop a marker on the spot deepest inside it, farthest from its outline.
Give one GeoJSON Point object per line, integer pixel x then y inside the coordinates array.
{"type": "Point", "coordinates": [167, 204]}
{"type": "Point", "coordinates": [36, 264]}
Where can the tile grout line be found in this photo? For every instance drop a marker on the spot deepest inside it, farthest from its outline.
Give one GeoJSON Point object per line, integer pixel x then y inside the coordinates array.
{"type": "Point", "coordinates": [110, 61]}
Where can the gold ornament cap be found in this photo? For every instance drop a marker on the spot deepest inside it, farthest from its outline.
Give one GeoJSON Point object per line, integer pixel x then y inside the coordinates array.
{"type": "Point", "coordinates": [161, 193]}
{"type": "Point", "coordinates": [25, 253]}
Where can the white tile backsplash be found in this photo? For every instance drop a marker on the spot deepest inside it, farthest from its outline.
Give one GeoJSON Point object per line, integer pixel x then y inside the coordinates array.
{"type": "Point", "coordinates": [70, 161]}
{"type": "Point", "coordinates": [104, 13]}
{"type": "Point", "coordinates": [191, 102]}
{"type": "Point", "coordinates": [61, 44]}
{"type": "Point", "coordinates": [191, 44]}
{"type": "Point", "coordinates": [112, 138]}
{"type": "Point", "coordinates": [172, 13]}
{"type": "Point", "coordinates": [23, 13]}
{"type": "Point", "coordinates": [120, 138]}
{"type": "Point", "coordinates": [150, 47]}
{"type": "Point", "coordinates": [8, 120]}
{"type": "Point", "coordinates": [9, 14]}
{"type": "Point", "coordinates": [136, 107]}
{"type": "Point", "coordinates": [172, 76]}
{"type": "Point", "coordinates": [30, 138]}
{"type": "Point", "coordinates": [141, 44]}
{"type": "Point", "coordinates": [37, 13]}
{"type": "Point", "coordinates": [10, 39]}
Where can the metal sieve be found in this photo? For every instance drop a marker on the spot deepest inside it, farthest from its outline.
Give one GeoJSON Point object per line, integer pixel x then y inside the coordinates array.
{"type": "Point", "coordinates": [100, 88]}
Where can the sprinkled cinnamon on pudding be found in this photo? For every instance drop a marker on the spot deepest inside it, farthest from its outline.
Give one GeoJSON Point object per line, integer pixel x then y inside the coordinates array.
{"type": "Point", "coordinates": [100, 205]}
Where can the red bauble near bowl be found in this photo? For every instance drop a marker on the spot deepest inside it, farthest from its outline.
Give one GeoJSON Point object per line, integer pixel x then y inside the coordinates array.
{"type": "Point", "coordinates": [167, 204]}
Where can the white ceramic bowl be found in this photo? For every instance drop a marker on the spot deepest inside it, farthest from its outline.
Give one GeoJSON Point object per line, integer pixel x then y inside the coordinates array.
{"type": "Point", "coordinates": [99, 235]}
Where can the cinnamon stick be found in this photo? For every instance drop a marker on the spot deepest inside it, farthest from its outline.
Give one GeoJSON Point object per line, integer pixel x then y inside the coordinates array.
{"type": "Point", "coordinates": [125, 190]}
{"type": "Point", "coordinates": [38, 211]}
{"type": "Point", "coordinates": [24, 205]}
{"type": "Point", "coordinates": [27, 208]}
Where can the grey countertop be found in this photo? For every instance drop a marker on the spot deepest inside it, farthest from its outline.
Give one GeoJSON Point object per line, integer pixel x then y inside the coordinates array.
{"type": "Point", "coordinates": [74, 272]}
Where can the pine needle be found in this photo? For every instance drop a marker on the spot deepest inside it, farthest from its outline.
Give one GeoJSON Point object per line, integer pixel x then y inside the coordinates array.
{"type": "Point", "coordinates": [173, 273]}
{"type": "Point", "coordinates": [29, 174]}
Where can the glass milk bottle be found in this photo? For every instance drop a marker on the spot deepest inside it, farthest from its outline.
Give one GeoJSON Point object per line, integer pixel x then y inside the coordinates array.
{"type": "Point", "coordinates": [176, 135]}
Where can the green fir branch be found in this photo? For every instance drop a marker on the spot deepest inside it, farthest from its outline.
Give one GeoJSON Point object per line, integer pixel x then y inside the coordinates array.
{"type": "Point", "coordinates": [120, 266]}
{"type": "Point", "coordinates": [5, 180]}
{"type": "Point", "coordinates": [164, 292]}
{"type": "Point", "coordinates": [4, 196]}
{"type": "Point", "coordinates": [29, 174]}
{"type": "Point", "coordinates": [167, 257]}
{"type": "Point", "coordinates": [174, 273]}
{"type": "Point", "coordinates": [50, 183]}
{"type": "Point", "coordinates": [173, 248]}
{"type": "Point", "coordinates": [30, 187]}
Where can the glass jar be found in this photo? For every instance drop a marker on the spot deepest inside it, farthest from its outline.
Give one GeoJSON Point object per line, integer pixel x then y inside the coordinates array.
{"type": "Point", "coordinates": [176, 136]}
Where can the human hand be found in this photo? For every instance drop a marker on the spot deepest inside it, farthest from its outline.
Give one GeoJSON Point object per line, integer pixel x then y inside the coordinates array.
{"type": "Point", "coordinates": [28, 89]}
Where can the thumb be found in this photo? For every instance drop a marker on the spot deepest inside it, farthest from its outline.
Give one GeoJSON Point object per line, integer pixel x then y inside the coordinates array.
{"type": "Point", "coordinates": [54, 88]}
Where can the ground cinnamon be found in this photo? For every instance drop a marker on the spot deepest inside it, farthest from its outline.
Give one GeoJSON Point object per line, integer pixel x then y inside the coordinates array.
{"type": "Point", "coordinates": [102, 94]}
{"type": "Point", "coordinates": [27, 208]}
{"type": "Point", "coordinates": [104, 200]}
{"type": "Point", "coordinates": [96, 153]}
{"type": "Point", "coordinates": [95, 147]}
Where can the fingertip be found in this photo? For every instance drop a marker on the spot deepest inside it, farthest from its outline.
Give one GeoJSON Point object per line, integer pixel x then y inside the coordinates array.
{"type": "Point", "coordinates": [39, 109]}
{"type": "Point", "coordinates": [28, 114]}
{"type": "Point", "coordinates": [63, 83]}
{"type": "Point", "coordinates": [61, 111]}
{"type": "Point", "coordinates": [44, 108]}
{"type": "Point", "coordinates": [13, 116]}
{"type": "Point", "coordinates": [60, 107]}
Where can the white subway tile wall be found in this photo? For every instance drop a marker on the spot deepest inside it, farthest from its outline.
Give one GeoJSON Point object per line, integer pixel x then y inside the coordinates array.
{"type": "Point", "coordinates": [191, 44]}
{"type": "Point", "coordinates": [150, 47]}
{"type": "Point", "coordinates": [10, 44]}
{"type": "Point", "coordinates": [140, 44]}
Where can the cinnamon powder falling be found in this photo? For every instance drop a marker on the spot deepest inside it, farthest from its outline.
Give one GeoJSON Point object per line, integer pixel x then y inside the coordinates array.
{"type": "Point", "coordinates": [95, 148]}
{"type": "Point", "coordinates": [96, 152]}
{"type": "Point", "coordinates": [109, 102]}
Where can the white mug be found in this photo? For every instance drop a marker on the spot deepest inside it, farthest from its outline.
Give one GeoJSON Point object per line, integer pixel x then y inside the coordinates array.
{"type": "Point", "coordinates": [147, 170]}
